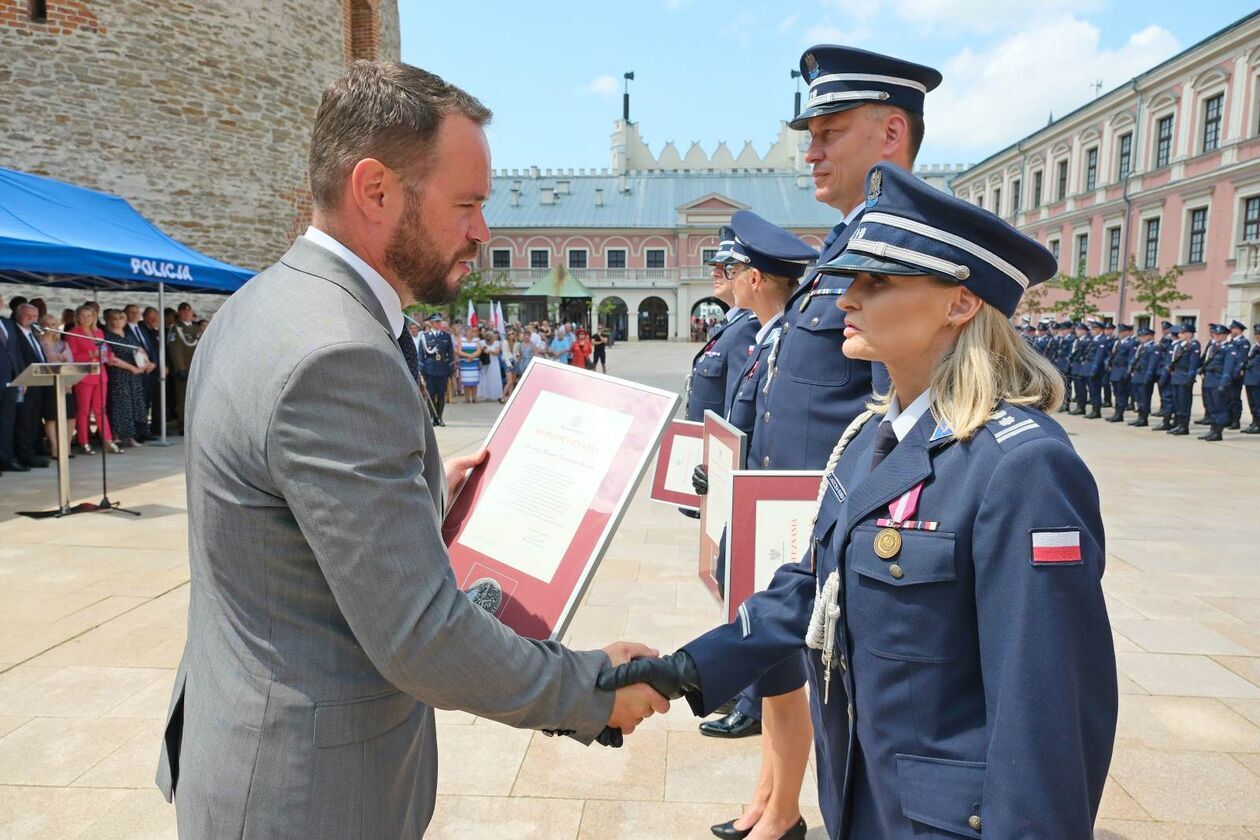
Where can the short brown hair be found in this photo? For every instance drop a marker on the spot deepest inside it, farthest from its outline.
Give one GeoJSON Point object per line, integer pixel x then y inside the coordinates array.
{"type": "Point", "coordinates": [384, 110]}
{"type": "Point", "coordinates": [914, 126]}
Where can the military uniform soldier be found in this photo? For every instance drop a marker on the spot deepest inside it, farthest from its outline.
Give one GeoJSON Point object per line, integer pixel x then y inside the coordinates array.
{"type": "Point", "coordinates": [1143, 371]}
{"type": "Point", "coordinates": [1183, 368]}
{"type": "Point", "coordinates": [1220, 362]}
{"type": "Point", "coordinates": [1118, 371]}
{"type": "Point", "coordinates": [1251, 381]}
{"type": "Point", "coordinates": [181, 344]}
{"type": "Point", "coordinates": [1238, 336]}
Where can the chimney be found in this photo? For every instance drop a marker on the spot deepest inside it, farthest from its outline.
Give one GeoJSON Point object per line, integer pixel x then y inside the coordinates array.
{"type": "Point", "coordinates": [623, 185]}
{"type": "Point", "coordinates": [514, 198]}
{"type": "Point", "coordinates": [533, 172]}
{"type": "Point", "coordinates": [562, 187]}
{"type": "Point", "coordinates": [599, 196]}
{"type": "Point", "coordinates": [547, 195]}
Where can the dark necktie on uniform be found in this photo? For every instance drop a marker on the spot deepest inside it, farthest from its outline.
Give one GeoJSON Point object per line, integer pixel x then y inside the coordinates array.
{"type": "Point", "coordinates": [885, 440]}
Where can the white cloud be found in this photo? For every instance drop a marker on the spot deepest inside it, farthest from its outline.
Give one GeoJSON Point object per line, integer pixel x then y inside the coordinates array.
{"type": "Point", "coordinates": [788, 22]}
{"type": "Point", "coordinates": [829, 33]}
{"type": "Point", "coordinates": [741, 28]}
{"type": "Point", "coordinates": [984, 15]}
{"type": "Point", "coordinates": [992, 97]}
{"type": "Point", "coordinates": [602, 86]}
{"type": "Point", "coordinates": [672, 5]}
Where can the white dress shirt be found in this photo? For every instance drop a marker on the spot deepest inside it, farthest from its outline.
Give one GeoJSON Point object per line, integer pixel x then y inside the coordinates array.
{"type": "Point", "coordinates": [903, 421]}
{"type": "Point", "coordinates": [389, 300]}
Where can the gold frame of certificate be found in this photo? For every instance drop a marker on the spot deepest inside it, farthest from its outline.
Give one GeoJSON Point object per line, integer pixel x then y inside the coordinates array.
{"type": "Point", "coordinates": [681, 451]}
{"type": "Point", "coordinates": [772, 514]}
{"type": "Point", "coordinates": [534, 519]}
{"type": "Point", "coordinates": [725, 448]}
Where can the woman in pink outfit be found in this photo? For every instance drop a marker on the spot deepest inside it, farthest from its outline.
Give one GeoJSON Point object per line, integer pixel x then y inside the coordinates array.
{"type": "Point", "coordinates": [89, 395]}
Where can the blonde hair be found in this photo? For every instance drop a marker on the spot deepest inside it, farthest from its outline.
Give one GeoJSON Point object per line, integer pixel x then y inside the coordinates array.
{"type": "Point", "coordinates": [989, 362]}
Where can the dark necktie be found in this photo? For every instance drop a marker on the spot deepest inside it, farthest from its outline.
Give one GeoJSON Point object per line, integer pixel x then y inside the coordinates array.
{"type": "Point", "coordinates": [409, 353]}
{"type": "Point", "coordinates": [885, 440]}
{"type": "Point", "coordinates": [39, 353]}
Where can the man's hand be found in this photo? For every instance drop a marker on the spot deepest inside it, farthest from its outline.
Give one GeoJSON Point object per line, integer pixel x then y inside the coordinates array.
{"type": "Point", "coordinates": [621, 652]}
{"type": "Point", "coordinates": [700, 480]}
{"type": "Point", "coordinates": [671, 676]}
{"type": "Point", "coordinates": [457, 470]}
{"type": "Point", "coordinates": [631, 706]}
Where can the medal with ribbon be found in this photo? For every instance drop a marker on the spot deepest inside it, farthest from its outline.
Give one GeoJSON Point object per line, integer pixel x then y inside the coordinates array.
{"type": "Point", "coordinates": [888, 539]}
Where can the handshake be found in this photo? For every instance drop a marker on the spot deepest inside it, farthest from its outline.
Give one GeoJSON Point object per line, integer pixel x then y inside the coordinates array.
{"type": "Point", "coordinates": [644, 683]}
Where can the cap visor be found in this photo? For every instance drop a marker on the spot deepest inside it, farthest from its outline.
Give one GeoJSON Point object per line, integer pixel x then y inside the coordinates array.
{"type": "Point", "coordinates": [801, 121]}
{"type": "Point", "coordinates": [851, 262]}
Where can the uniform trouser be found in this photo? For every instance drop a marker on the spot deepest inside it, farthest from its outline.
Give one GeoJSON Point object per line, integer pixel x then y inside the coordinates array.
{"type": "Point", "coordinates": [1095, 392]}
{"type": "Point", "coordinates": [1235, 399]}
{"type": "Point", "coordinates": [1142, 393]}
{"type": "Point", "coordinates": [1253, 401]}
{"type": "Point", "coordinates": [1067, 388]}
{"type": "Point", "coordinates": [1081, 386]}
{"type": "Point", "coordinates": [1106, 389]}
{"type": "Point", "coordinates": [1167, 398]}
{"type": "Point", "coordinates": [1216, 404]}
{"type": "Point", "coordinates": [1183, 402]}
{"type": "Point", "coordinates": [788, 675]}
{"type": "Point", "coordinates": [1120, 390]}
{"type": "Point", "coordinates": [436, 386]}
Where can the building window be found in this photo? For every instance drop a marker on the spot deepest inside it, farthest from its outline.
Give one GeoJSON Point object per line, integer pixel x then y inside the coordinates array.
{"type": "Point", "coordinates": [1251, 218]}
{"type": "Point", "coordinates": [1037, 179]}
{"type": "Point", "coordinates": [980, 200]}
{"type": "Point", "coordinates": [37, 11]}
{"type": "Point", "coordinates": [707, 254]}
{"type": "Point", "coordinates": [539, 258]}
{"type": "Point", "coordinates": [1060, 192]}
{"type": "Point", "coordinates": [1152, 244]}
{"type": "Point", "coordinates": [577, 258]}
{"type": "Point", "coordinates": [1091, 169]}
{"type": "Point", "coordinates": [1163, 140]}
{"type": "Point", "coordinates": [1198, 235]}
{"type": "Point", "coordinates": [1126, 155]}
{"type": "Point", "coordinates": [1212, 122]}
{"type": "Point", "coordinates": [1015, 196]}
{"type": "Point", "coordinates": [1142, 322]}
{"type": "Point", "coordinates": [1053, 245]}
{"type": "Point", "coordinates": [655, 258]}
{"type": "Point", "coordinates": [501, 258]}
{"type": "Point", "coordinates": [1113, 249]}
{"type": "Point", "coordinates": [997, 200]}
{"type": "Point", "coordinates": [615, 257]}
{"type": "Point", "coordinates": [1082, 252]}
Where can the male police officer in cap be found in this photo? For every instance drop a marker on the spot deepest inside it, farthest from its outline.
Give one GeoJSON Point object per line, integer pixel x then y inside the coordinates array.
{"type": "Point", "coordinates": [1220, 361]}
{"type": "Point", "coordinates": [1118, 370]}
{"type": "Point", "coordinates": [1251, 381]}
{"type": "Point", "coordinates": [1063, 361]}
{"type": "Point", "coordinates": [1143, 371]}
{"type": "Point", "coordinates": [1109, 345]}
{"type": "Point", "coordinates": [436, 363]}
{"type": "Point", "coordinates": [1238, 337]}
{"type": "Point", "coordinates": [1167, 399]}
{"type": "Point", "coordinates": [1183, 367]}
{"type": "Point", "coordinates": [862, 108]}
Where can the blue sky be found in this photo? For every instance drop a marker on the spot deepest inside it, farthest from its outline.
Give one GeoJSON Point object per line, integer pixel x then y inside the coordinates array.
{"type": "Point", "coordinates": [711, 71]}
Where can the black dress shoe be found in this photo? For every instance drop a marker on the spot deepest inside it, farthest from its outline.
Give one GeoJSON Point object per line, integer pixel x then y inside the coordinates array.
{"type": "Point", "coordinates": [1202, 421]}
{"type": "Point", "coordinates": [728, 831]}
{"type": "Point", "coordinates": [13, 466]}
{"type": "Point", "coordinates": [1180, 430]}
{"type": "Point", "coordinates": [1093, 415]}
{"type": "Point", "coordinates": [796, 832]}
{"type": "Point", "coordinates": [735, 725]}
{"type": "Point", "coordinates": [36, 463]}
{"type": "Point", "coordinates": [1253, 429]}
{"type": "Point", "coordinates": [1235, 426]}
{"type": "Point", "coordinates": [1214, 434]}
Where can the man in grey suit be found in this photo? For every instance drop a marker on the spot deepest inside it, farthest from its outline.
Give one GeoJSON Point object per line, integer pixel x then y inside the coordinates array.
{"type": "Point", "coordinates": [325, 624]}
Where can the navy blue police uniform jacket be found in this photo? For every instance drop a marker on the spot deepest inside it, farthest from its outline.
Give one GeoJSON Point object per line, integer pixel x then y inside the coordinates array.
{"type": "Point", "coordinates": [814, 391]}
{"type": "Point", "coordinates": [1121, 358]}
{"type": "Point", "coordinates": [1219, 366]}
{"type": "Point", "coordinates": [437, 357]}
{"type": "Point", "coordinates": [1183, 366]}
{"type": "Point", "coordinates": [1083, 355]}
{"type": "Point", "coordinates": [1251, 367]}
{"type": "Point", "coordinates": [1146, 358]}
{"type": "Point", "coordinates": [715, 371]}
{"type": "Point", "coordinates": [1063, 354]}
{"type": "Point", "coordinates": [1242, 346]}
{"type": "Point", "coordinates": [976, 692]}
{"type": "Point", "coordinates": [742, 408]}
{"type": "Point", "coordinates": [1166, 347]}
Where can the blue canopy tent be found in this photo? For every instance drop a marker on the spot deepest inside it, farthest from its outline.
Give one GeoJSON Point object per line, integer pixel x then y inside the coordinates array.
{"type": "Point", "coordinates": [56, 234]}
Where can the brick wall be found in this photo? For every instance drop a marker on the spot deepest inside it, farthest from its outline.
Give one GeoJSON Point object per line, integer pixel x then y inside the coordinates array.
{"type": "Point", "coordinates": [196, 111]}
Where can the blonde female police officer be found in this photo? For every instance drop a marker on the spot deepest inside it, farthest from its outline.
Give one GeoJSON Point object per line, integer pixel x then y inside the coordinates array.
{"type": "Point", "coordinates": [960, 654]}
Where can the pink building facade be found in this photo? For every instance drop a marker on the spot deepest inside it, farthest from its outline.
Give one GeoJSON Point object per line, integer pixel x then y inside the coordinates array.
{"type": "Point", "coordinates": [1164, 169]}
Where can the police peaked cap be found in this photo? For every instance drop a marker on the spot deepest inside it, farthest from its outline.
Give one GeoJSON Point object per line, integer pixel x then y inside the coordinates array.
{"type": "Point", "coordinates": [840, 78]}
{"type": "Point", "coordinates": [722, 256]}
{"type": "Point", "coordinates": [909, 227]}
{"type": "Point", "coordinates": [768, 247]}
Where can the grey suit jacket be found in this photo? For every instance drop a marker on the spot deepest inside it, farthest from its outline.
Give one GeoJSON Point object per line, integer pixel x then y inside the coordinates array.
{"type": "Point", "coordinates": [325, 623]}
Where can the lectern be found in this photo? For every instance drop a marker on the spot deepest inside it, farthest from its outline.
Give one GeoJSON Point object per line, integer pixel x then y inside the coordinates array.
{"type": "Point", "coordinates": [60, 375]}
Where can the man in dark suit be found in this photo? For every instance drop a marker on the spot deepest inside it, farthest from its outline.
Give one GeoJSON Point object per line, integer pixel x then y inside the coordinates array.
{"type": "Point", "coordinates": [32, 404]}
{"type": "Point", "coordinates": [10, 366]}
{"type": "Point", "coordinates": [151, 333]}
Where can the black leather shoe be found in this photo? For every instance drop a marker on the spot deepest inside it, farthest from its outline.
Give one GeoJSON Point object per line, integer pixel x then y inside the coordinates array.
{"type": "Point", "coordinates": [13, 466]}
{"type": "Point", "coordinates": [1140, 423]}
{"type": "Point", "coordinates": [796, 832]}
{"type": "Point", "coordinates": [1253, 429]}
{"type": "Point", "coordinates": [1180, 430]}
{"type": "Point", "coordinates": [1115, 418]}
{"type": "Point", "coordinates": [1077, 412]}
{"type": "Point", "coordinates": [1163, 426]}
{"type": "Point", "coordinates": [1235, 426]}
{"type": "Point", "coordinates": [1202, 421]}
{"type": "Point", "coordinates": [735, 725]}
{"type": "Point", "coordinates": [1215, 434]}
{"type": "Point", "coordinates": [1093, 415]}
{"type": "Point", "coordinates": [36, 463]}
{"type": "Point", "coordinates": [728, 831]}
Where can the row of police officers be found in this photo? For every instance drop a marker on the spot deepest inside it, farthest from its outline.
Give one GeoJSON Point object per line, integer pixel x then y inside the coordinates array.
{"type": "Point", "coordinates": [1107, 365]}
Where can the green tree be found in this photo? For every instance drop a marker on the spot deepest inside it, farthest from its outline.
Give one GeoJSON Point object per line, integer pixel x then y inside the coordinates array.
{"type": "Point", "coordinates": [1153, 289]}
{"type": "Point", "coordinates": [476, 287]}
{"type": "Point", "coordinates": [1033, 303]}
{"type": "Point", "coordinates": [1080, 292]}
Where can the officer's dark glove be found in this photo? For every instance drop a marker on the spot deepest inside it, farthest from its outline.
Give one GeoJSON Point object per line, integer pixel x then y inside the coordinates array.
{"type": "Point", "coordinates": [700, 480]}
{"type": "Point", "coordinates": [671, 676]}
{"type": "Point", "coordinates": [609, 738]}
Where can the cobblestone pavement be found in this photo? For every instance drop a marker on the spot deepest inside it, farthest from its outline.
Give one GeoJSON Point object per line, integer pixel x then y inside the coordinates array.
{"type": "Point", "coordinates": [92, 622]}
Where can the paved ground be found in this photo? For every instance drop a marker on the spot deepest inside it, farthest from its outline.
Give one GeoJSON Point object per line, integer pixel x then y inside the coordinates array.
{"type": "Point", "coordinates": [92, 612]}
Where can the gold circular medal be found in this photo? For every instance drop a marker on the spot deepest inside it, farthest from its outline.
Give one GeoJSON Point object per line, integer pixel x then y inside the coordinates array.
{"type": "Point", "coordinates": [888, 543]}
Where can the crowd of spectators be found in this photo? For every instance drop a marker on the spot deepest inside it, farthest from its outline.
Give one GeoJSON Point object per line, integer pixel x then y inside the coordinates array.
{"type": "Point", "coordinates": [117, 408]}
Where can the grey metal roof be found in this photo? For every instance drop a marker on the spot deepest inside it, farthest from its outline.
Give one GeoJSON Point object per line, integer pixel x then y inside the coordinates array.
{"type": "Point", "coordinates": [652, 199]}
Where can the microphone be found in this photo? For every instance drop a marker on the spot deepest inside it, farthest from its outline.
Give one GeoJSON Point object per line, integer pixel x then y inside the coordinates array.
{"type": "Point", "coordinates": [37, 329]}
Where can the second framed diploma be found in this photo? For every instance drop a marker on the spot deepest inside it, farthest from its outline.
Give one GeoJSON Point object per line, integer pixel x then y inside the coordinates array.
{"type": "Point", "coordinates": [682, 448]}
{"type": "Point", "coordinates": [724, 451]}
{"type": "Point", "coordinates": [772, 516]}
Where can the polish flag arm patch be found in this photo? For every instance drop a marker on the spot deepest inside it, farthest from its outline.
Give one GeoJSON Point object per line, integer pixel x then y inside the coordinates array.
{"type": "Point", "coordinates": [1056, 546]}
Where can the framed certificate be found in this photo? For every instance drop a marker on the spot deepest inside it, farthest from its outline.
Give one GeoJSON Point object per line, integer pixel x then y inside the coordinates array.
{"type": "Point", "coordinates": [566, 454]}
{"type": "Point", "coordinates": [725, 448]}
{"type": "Point", "coordinates": [772, 516]}
{"type": "Point", "coordinates": [682, 449]}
